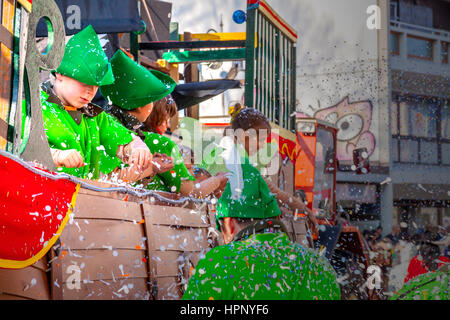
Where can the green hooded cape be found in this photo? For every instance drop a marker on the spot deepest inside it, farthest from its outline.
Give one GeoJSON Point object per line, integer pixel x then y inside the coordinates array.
{"type": "Point", "coordinates": [265, 266]}
{"type": "Point", "coordinates": [427, 286]}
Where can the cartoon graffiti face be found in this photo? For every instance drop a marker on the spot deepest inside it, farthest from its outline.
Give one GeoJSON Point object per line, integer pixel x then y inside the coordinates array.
{"type": "Point", "coordinates": [353, 123]}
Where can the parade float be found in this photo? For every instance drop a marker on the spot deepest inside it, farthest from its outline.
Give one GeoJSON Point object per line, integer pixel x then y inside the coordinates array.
{"type": "Point", "coordinates": [68, 238]}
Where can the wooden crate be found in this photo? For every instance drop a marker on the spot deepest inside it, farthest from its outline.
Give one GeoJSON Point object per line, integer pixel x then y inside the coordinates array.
{"type": "Point", "coordinates": [178, 239]}
{"type": "Point", "coordinates": [125, 247]}
{"type": "Point", "coordinates": [29, 283]}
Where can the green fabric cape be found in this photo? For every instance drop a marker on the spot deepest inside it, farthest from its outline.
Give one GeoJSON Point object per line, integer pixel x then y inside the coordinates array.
{"type": "Point", "coordinates": [246, 194]}
{"type": "Point", "coordinates": [427, 286]}
{"type": "Point", "coordinates": [265, 266]}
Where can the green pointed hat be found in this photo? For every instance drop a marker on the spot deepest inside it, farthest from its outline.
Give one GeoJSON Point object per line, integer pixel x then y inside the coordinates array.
{"type": "Point", "coordinates": [84, 59]}
{"type": "Point", "coordinates": [134, 85]}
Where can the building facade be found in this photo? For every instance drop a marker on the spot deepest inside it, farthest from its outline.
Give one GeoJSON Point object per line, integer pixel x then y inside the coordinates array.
{"type": "Point", "coordinates": [420, 112]}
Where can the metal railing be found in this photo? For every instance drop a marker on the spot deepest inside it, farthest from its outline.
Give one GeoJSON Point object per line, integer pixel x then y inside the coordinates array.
{"type": "Point", "coordinates": [434, 33]}
{"type": "Point", "coordinates": [137, 192]}
{"type": "Point", "coordinates": [270, 64]}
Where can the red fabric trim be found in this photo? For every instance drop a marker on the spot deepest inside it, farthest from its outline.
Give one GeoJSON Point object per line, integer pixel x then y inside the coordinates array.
{"type": "Point", "coordinates": [279, 21]}
{"type": "Point", "coordinates": [417, 267]}
{"type": "Point", "coordinates": [32, 210]}
{"type": "Point", "coordinates": [158, 131]}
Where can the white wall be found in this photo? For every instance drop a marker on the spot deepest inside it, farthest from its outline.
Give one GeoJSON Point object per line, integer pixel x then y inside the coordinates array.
{"type": "Point", "coordinates": [197, 16]}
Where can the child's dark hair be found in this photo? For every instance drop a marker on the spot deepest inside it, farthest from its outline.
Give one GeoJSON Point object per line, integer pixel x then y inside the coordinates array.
{"type": "Point", "coordinates": [249, 118]}
{"type": "Point", "coordinates": [163, 109]}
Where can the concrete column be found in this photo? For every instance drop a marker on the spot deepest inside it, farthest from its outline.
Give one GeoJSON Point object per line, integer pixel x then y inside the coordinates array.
{"type": "Point", "coordinates": [386, 206]}
{"type": "Point", "coordinates": [384, 113]}
{"type": "Point", "coordinates": [403, 47]}
{"type": "Point", "coordinates": [437, 51]}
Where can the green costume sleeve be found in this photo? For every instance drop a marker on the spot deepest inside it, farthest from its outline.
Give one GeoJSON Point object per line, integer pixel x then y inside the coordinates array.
{"type": "Point", "coordinates": [112, 135]}
{"type": "Point", "coordinates": [95, 138]}
{"type": "Point", "coordinates": [320, 280]}
{"type": "Point", "coordinates": [64, 134]}
{"type": "Point", "coordinates": [169, 180]}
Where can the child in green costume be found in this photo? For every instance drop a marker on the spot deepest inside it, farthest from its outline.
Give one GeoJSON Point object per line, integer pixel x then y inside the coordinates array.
{"type": "Point", "coordinates": [132, 96]}
{"type": "Point", "coordinates": [85, 141]}
{"type": "Point", "coordinates": [158, 122]}
{"type": "Point", "coordinates": [258, 260]}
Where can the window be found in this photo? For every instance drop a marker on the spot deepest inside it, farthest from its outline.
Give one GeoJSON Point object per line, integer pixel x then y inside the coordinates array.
{"type": "Point", "coordinates": [446, 153]}
{"type": "Point", "coordinates": [444, 52]}
{"type": "Point", "coordinates": [394, 45]}
{"type": "Point", "coordinates": [419, 48]}
{"type": "Point", "coordinates": [420, 130]}
{"type": "Point", "coordinates": [394, 10]}
{"type": "Point", "coordinates": [428, 217]}
{"type": "Point", "coordinates": [418, 117]}
{"type": "Point", "coordinates": [394, 117]}
{"type": "Point", "coordinates": [323, 198]}
{"type": "Point", "coordinates": [445, 133]}
{"type": "Point", "coordinates": [445, 121]}
{"type": "Point", "coordinates": [422, 118]}
{"type": "Point", "coordinates": [360, 201]}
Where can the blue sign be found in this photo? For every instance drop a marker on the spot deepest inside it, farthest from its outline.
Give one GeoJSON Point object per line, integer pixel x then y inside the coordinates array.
{"type": "Point", "coordinates": [106, 16]}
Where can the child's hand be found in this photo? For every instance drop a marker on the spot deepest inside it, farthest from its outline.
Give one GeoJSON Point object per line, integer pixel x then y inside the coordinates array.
{"type": "Point", "coordinates": [67, 158]}
{"type": "Point", "coordinates": [162, 163]}
{"type": "Point", "coordinates": [139, 154]}
{"type": "Point", "coordinates": [223, 177]}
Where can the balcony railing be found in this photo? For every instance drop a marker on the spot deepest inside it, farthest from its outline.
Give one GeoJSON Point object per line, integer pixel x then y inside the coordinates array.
{"type": "Point", "coordinates": [409, 41]}
{"type": "Point", "coordinates": [402, 26]}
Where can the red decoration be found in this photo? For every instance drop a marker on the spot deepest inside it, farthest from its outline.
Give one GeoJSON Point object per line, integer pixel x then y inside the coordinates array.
{"type": "Point", "coordinates": [33, 212]}
{"type": "Point", "coordinates": [286, 147]}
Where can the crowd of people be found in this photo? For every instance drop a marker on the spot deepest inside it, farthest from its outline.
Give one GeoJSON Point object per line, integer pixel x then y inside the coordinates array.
{"type": "Point", "coordinates": [403, 257]}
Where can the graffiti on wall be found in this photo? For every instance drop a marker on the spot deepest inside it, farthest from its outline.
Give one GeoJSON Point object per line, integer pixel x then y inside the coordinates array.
{"type": "Point", "coordinates": [353, 121]}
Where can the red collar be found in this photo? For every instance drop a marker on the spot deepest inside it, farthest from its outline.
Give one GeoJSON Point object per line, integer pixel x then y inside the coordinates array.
{"type": "Point", "coordinates": [159, 131]}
